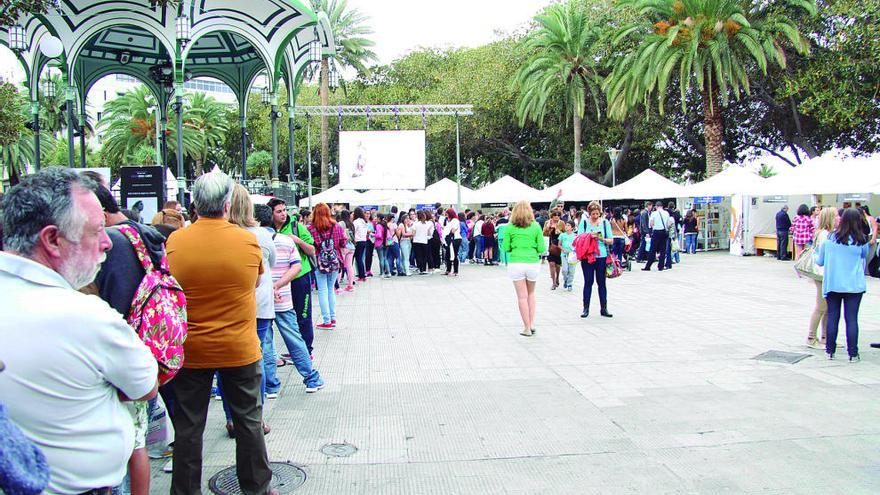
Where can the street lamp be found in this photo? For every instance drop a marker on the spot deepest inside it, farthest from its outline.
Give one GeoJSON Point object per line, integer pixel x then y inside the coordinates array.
{"type": "Point", "coordinates": [333, 80]}
{"type": "Point", "coordinates": [183, 29]}
{"type": "Point", "coordinates": [265, 96]}
{"type": "Point", "coordinates": [48, 88]}
{"type": "Point", "coordinates": [613, 154]}
{"type": "Point", "coordinates": [16, 38]}
{"type": "Point", "coordinates": [315, 54]}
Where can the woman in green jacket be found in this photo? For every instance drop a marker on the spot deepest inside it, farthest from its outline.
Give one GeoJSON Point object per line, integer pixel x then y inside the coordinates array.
{"type": "Point", "coordinates": [523, 243]}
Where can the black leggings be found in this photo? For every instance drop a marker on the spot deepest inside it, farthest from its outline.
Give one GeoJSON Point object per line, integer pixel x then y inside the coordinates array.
{"type": "Point", "coordinates": [368, 264]}
{"type": "Point", "coordinates": [421, 251]}
{"type": "Point", "coordinates": [452, 256]}
{"type": "Point", "coordinates": [850, 303]}
{"type": "Point", "coordinates": [595, 270]}
{"type": "Point", "coordinates": [434, 252]}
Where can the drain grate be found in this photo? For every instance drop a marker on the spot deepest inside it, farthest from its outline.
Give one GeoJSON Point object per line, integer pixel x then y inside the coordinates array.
{"type": "Point", "coordinates": [782, 357]}
{"type": "Point", "coordinates": [339, 449]}
{"type": "Point", "coordinates": [285, 478]}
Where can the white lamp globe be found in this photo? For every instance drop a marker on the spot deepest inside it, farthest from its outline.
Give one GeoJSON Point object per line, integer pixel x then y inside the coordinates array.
{"type": "Point", "coordinates": [51, 47]}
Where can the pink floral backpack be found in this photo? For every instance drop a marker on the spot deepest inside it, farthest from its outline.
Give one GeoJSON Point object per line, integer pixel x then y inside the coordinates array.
{"type": "Point", "coordinates": [158, 311]}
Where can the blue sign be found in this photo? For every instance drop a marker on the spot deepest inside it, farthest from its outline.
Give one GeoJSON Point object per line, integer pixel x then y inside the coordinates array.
{"type": "Point", "coordinates": [425, 206]}
{"type": "Point", "coordinates": [707, 200]}
{"type": "Point", "coordinates": [369, 207]}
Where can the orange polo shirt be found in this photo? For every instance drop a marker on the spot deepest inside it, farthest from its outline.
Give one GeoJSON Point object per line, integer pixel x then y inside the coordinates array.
{"type": "Point", "coordinates": [218, 265]}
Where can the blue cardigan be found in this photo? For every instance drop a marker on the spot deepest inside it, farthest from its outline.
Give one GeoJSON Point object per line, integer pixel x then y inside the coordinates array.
{"type": "Point", "coordinates": [844, 266]}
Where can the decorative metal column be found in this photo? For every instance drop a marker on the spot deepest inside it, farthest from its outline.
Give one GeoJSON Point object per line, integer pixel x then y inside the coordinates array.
{"type": "Point", "coordinates": [71, 156]}
{"type": "Point", "coordinates": [290, 130]}
{"type": "Point", "coordinates": [82, 140]}
{"type": "Point", "coordinates": [178, 109]}
{"type": "Point", "coordinates": [244, 146]}
{"type": "Point", "coordinates": [309, 154]}
{"type": "Point", "coordinates": [35, 110]}
{"type": "Point", "coordinates": [274, 102]}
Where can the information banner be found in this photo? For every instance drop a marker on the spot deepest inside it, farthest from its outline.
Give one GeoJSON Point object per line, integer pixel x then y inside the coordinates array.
{"type": "Point", "coordinates": [425, 206]}
{"type": "Point", "coordinates": [708, 200]}
{"type": "Point", "coordinates": [369, 207]}
{"type": "Point", "coordinates": [382, 160]}
{"type": "Point", "coordinates": [142, 189]}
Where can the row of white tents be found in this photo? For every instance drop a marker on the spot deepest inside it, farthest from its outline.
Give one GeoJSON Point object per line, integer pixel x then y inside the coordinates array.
{"type": "Point", "coordinates": [827, 174]}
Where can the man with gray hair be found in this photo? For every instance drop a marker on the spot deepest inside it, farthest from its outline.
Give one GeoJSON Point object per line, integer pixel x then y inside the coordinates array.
{"type": "Point", "coordinates": [218, 265]}
{"type": "Point", "coordinates": [68, 401]}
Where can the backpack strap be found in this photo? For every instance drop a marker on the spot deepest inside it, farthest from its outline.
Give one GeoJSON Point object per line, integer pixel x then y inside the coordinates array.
{"type": "Point", "coordinates": [137, 244]}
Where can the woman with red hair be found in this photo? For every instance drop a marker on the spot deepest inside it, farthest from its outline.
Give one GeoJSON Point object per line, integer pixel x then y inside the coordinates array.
{"type": "Point", "coordinates": [329, 240]}
{"type": "Point", "coordinates": [452, 235]}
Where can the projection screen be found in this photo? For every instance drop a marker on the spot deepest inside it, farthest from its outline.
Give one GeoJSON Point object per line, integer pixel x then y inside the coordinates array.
{"type": "Point", "coordinates": [382, 159]}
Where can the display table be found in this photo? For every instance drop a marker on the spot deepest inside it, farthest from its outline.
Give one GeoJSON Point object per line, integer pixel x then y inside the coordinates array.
{"type": "Point", "coordinates": [767, 242]}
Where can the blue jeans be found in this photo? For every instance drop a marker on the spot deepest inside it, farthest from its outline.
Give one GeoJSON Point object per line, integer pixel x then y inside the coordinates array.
{"type": "Point", "coordinates": [287, 327]}
{"type": "Point", "coordinates": [568, 271]}
{"type": "Point", "coordinates": [392, 258]}
{"type": "Point", "coordinates": [594, 270]}
{"type": "Point", "coordinates": [690, 242]}
{"type": "Point", "coordinates": [618, 247]}
{"type": "Point", "coordinates": [463, 251]}
{"type": "Point", "coordinates": [301, 289]}
{"type": "Point", "coordinates": [478, 253]}
{"type": "Point", "coordinates": [850, 303]}
{"type": "Point", "coordinates": [403, 263]}
{"type": "Point", "coordinates": [383, 260]}
{"type": "Point", "coordinates": [271, 383]}
{"type": "Point", "coordinates": [326, 295]}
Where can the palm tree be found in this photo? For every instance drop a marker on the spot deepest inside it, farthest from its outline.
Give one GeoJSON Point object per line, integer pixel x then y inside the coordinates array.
{"type": "Point", "coordinates": [350, 31]}
{"type": "Point", "coordinates": [564, 66]}
{"type": "Point", "coordinates": [709, 42]}
{"type": "Point", "coordinates": [207, 117]}
{"type": "Point", "coordinates": [129, 122]}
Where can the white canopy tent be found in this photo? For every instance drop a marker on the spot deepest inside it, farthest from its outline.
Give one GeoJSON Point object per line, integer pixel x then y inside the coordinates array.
{"type": "Point", "coordinates": [331, 196]}
{"type": "Point", "coordinates": [647, 185]}
{"type": "Point", "coordinates": [444, 191]}
{"type": "Point", "coordinates": [504, 190]}
{"type": "Point", "coordinates": [576, 187]}
{"type": "Point", "coordinates": [733, 180]}
{"type": "Point", "coordinates": [830, 173]}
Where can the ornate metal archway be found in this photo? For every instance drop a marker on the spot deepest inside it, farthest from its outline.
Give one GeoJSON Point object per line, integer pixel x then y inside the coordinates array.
{"type": "Point", "coordinates": [229, 40]}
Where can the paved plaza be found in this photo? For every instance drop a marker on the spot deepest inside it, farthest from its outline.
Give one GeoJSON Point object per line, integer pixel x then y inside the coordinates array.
{"type": "Point", "coordinates": [429, 379]}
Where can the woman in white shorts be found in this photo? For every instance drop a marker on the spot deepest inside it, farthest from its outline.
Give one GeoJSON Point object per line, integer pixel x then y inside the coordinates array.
{"type": "Point", "coordinates": [524, 243]}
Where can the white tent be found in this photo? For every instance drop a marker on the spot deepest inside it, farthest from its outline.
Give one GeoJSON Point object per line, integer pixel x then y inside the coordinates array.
{"type": "Point", "coordinates": [830, 173]}
{"type": "Point", "coordinates": [259, 199]}
{"type": "Point", "coordinates": [576, 187]}
{"type": "Point", "coordinates": [444, 191]}
{"type": "Point", "coordinates": [733, 180]}
{"type": "Point", "coordinates": [647, 185]}
{"type": "Point", "coordinates": [504, 190]}
{"type": "Point", "coordinates": [331, 196]}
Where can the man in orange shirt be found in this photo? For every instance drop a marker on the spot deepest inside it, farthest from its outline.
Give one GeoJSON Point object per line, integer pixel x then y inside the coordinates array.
{"type": "Point", "coordinates": [218, 265]}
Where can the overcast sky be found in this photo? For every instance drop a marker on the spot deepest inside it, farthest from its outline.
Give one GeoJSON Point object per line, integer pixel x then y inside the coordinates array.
{"type": "Point", "coordinates": [402, 25]}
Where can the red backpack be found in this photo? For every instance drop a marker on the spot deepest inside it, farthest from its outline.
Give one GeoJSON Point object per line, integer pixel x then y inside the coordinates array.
{"type": "Point", "coordinates": [158, 311]}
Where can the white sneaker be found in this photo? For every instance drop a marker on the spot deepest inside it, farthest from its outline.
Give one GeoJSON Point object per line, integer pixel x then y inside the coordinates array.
{"type": "Point", "coordinates": [169, 466]}
{"type": "Point", "coordinates": [272, 396]}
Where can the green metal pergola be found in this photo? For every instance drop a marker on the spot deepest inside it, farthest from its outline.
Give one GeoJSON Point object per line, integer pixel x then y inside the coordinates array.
{"type": "Point", "coordinates": [232, 41]}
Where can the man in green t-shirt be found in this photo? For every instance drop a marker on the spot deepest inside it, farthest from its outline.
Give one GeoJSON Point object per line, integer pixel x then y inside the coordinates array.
{"type": "Point", "coordinates": [301, 286]}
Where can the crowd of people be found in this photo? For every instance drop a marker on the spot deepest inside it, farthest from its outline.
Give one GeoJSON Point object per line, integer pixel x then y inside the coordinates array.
{"type": "Point", "coordinates": [195, 299]}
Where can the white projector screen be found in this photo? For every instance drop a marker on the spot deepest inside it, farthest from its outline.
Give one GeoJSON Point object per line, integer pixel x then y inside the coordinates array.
{"type": "Point", "coordinates": [382, 159]}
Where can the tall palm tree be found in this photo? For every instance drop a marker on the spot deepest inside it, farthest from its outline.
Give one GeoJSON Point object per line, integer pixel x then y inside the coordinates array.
{"type": "Point", "coordinates": [564, 66]}
{"type": "Point", "coordinates": [349, 30]}
{"type": "Point", "coordinates": [708, 42]}
{"type": "Point", "coordinates": [129, 122]}
{"type": "Point", "coordinates": [207, 117]}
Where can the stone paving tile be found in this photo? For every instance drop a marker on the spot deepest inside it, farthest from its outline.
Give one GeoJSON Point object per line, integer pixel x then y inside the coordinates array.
{"type": "Point", "coordinates": [429, 379]}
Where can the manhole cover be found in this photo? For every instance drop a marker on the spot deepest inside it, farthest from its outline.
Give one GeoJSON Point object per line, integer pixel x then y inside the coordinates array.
{"type": "Point", "coordinates": [782, 357]}
{"type": "Point", "coordinates": [339, 449]}
{"type": "Point", "coordinates": [285, 478]}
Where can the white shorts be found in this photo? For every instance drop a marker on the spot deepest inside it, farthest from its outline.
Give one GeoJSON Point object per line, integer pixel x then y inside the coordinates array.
{"type": "Point", "coordinates": [523, 271]}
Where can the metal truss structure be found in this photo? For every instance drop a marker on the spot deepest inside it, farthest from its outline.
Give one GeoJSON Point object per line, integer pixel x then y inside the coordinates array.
{"type": "Point", "coordinates": [372, 110]}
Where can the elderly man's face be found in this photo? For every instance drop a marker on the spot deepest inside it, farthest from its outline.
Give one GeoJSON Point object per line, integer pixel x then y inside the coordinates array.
{"type": "Point", "coordinates": [81, 258]}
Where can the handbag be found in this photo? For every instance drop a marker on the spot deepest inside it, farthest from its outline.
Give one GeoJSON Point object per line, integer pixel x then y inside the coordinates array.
{"type": "Point", "coordinates": [572, 257]}
{"type": "Point", "coordinates": [612, 267]}
{"type": "Point", "coordinates": [806, 266]}
{"type": "Point", "coordinates": [554, 250]}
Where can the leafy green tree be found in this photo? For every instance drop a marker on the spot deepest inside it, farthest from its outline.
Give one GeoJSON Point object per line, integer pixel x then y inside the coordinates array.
{"type": "Point", "coordinates": [563, 68]}
{"type": "Point", "coordinates": [258, 164]}
{"type": "Point", "coordinates": [350, 31]}
{"type": "Point", "coordinates": [129, 122]}
{"type": "Point", "coordinates": [706, 42]}
{"type": "Point", "coordinates": [206, 117]}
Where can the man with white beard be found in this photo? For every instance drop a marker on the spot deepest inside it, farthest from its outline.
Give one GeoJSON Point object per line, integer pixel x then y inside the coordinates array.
{"type": "Point", "coordinates": [71, 360]}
